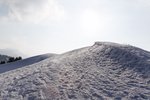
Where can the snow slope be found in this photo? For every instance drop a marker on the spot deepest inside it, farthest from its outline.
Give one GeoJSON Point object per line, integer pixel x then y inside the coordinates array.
{"type": "Point", "coordinates": [18, 64]}
{"type": "Point", "coordinates": [104, 71]}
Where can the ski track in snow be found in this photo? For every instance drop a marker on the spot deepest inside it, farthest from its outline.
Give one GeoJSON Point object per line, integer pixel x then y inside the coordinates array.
{"type": "Point", "coordinates": [104, 71]}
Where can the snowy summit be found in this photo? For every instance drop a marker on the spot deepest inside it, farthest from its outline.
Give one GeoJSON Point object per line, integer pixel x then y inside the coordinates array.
{"type": "Point", "coordinates": [103, 71]}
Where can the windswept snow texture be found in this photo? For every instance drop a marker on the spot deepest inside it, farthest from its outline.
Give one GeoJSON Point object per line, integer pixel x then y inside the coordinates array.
{"type": "Point", "coordinates": [104, 71]}
{"type": "Point", "coordinates": [22, 63]}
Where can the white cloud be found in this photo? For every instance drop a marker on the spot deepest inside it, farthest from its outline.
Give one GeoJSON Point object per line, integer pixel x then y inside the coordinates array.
{"type": "Point", "coordinates": [33, 10]}
{"type": "Point", "coordinates": [145, 3]}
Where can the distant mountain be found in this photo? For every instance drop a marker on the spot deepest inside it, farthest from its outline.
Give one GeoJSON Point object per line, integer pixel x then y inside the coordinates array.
{"type": "Point", "coordinates": [4, 58]}
{"type": "Point", "coordinates": [24, 62]}
{"type": "Point", "coordinates": [12, 52]}
{"type": "Point", "coordinates": [103, 71]}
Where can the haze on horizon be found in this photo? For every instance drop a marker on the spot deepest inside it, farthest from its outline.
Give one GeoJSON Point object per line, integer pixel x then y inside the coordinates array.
{"type": "Point", "coordinates": [54, 26]}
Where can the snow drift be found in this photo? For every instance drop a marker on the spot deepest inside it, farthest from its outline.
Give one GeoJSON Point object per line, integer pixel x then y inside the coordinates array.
{"type": "Point", "coordinates": [103, 71]}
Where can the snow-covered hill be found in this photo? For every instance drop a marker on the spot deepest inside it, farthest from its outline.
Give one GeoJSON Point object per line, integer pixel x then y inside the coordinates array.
{"type": "Point", "coordinates": [18, 64]}
{"type": "Point", "coordinates": [104, 71]}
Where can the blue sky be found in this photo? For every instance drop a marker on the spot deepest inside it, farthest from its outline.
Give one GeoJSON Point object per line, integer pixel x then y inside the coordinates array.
{"type": "Point", "coordinates": [55, 26]}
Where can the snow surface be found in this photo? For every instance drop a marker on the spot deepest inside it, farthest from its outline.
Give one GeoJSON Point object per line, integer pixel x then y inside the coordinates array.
{"type": "Point", "coordinates": [104, 71]}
